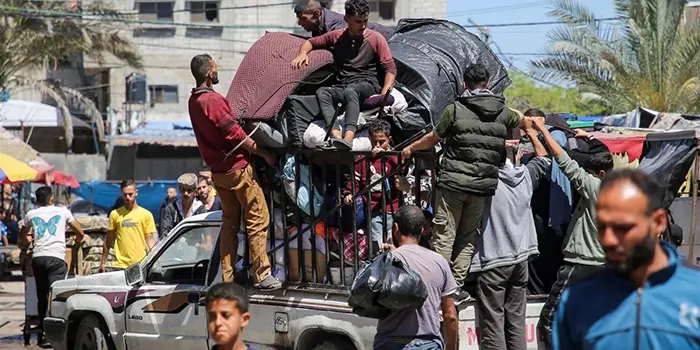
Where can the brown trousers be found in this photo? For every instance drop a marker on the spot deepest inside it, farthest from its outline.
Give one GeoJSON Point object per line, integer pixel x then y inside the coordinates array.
{"type": "Point", "coordinates": [239, 189]}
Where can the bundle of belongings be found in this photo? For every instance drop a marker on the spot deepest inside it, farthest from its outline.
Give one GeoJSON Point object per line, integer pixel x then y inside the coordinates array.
{"type": "Point", "coordinates": [278, 103]}
{"type": "Point", "coordinates": [386, 285]}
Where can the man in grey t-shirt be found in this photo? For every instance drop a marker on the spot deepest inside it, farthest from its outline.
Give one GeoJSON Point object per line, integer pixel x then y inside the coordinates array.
{"type": "Point", "coordinates": [420, 329]}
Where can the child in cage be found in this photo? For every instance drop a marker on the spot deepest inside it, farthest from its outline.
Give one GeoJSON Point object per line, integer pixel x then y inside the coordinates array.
{"type": "Point", "coordinates": [380, 136]}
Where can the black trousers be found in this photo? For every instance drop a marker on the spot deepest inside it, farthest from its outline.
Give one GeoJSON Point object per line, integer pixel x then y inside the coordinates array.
{"type": "Point", "coordinates": [568, 274]}
{"type": "Point", "coordinates": [47, 270]}
{"type": "Point", "coordinates": [501, 298]}
{"type": "Point", "coordinates": [353, 95]}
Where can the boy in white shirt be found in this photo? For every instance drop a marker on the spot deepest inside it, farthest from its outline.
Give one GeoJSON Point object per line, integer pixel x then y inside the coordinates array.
{"type": "Point", "coordinates": [48, 225]}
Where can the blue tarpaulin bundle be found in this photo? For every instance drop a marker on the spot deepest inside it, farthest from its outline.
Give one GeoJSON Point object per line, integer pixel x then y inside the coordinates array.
{"type": "Point", "coordinates": [105, 194]}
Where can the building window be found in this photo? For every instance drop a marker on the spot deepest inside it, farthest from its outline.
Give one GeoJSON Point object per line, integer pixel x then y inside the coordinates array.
{"type": "Point", "coordinates": [163, 93]}
{"type": "Point", "coordinates": [381, 10]}
{"type": "Point", "coordinates": [204, 11]}
{"type": "Point", "coordinates": [155, 11]}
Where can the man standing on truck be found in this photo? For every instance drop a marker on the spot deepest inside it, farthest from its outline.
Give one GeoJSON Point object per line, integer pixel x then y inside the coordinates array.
{"type": "Point", "coordinates": [362, 58]}
{"type": "Point", "coordinates": [647, 298]}
{"type": "Point", "coordinates": [314, 18]}
{"type": "Point", "coordinates": [474, 128]}
{"type": "Point", "coordinates": [132, 231]}
{"type": "Point", "coordinates": [583, 254]}
{"type": "Point", "coordinates": [49, 253]}
{"type": "Point", "coordinates": [226, 149]}
{"type": "Point", "coordinates": [507, 241]}
{"type": "Point", "coordinates": [420, 329]}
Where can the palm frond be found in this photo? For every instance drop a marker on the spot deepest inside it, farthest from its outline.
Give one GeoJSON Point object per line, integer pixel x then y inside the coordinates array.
{"type": "Point", "coordinates": [652, 61]}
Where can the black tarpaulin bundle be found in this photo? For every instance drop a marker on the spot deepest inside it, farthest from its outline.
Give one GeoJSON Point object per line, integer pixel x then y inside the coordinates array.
{"type": "Point", "coordinates": [431, 56]}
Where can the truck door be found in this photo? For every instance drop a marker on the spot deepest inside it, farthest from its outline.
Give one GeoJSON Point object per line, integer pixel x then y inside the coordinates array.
{"type": "Point", "coordinates": [167, 312]}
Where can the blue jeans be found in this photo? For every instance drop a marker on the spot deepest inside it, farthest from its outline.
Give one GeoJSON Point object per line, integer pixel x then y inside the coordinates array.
{"type": "Point", "coordinates": [378, 228]}
{"type": "Point", "coordinates": [416, 344]}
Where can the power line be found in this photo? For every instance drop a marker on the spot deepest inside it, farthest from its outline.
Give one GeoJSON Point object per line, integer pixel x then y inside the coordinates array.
{"type": "Point", "coordinates": [192, 48]}
{"type": "Point", "coordinates": [529, 24]}
{"type": "Point", "coordinates": [95, 17]}
{"type": "Point", "coordinates": [498, 8]}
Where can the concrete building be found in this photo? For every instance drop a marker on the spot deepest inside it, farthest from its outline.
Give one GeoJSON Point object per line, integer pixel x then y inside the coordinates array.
{"type": "Point", "coordinates": [170, 32]}
{"type": "Point", "coordinates": [691, 16]}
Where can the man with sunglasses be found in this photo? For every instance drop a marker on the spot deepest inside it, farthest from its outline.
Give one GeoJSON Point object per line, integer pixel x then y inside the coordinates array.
{"type": "Point", "coordinates": [184, 207]}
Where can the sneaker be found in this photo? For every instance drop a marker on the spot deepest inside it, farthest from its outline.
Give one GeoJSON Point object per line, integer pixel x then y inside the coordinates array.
{"type": "Point", "coordinates": [42, 343]}
{"type": "Point", "coordinates": [270, 283]}
{"type": "Point", "coordinates": [328, 145]}
{"type": "Point", "coordinates": [341, 144]}
{"type": "Point", "coordinates": [461, 296]}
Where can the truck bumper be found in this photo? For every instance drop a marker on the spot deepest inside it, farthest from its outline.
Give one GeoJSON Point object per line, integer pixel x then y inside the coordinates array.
{"type": "Point", "coordinates": [56, 330]}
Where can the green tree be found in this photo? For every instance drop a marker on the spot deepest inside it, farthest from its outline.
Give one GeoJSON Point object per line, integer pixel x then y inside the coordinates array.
{"type": "Point", "coordinates": [525, 93]}
{"type": "Point", "coordinates": [38, 35]}
{"type": "Point", "coordinates": [647, 58]}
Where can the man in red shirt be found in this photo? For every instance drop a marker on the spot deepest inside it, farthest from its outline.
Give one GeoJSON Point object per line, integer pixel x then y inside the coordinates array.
{"type": "Point", "coordinates": [226, 149]}
{"type": "Point", "coordinates": [362, 58]}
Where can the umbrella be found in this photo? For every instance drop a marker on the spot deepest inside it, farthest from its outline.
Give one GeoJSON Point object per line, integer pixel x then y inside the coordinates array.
{"type": "Point", "coordinates": [54, 177]}
{"type": "Point", "coordinates": [13, 170]}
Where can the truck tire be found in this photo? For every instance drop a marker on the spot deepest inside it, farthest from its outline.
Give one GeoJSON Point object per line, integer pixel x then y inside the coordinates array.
{"type": "Point", "coordinates": [334, 345]}
{"type": "Point", "coordinates": [91, 335]}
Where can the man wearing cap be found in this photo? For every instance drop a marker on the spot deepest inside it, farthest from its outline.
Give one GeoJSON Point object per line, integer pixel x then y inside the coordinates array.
{"type": "Point", "coordinates": [184, 207]}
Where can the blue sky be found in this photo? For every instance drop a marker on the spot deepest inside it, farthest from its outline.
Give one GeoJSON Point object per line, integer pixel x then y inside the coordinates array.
{"type": "Point", "coordinates": [521, 40]}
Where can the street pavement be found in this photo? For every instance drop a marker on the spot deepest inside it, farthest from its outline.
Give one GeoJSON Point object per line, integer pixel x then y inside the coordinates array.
{"type": "Point", "coordinates": [12, 314]}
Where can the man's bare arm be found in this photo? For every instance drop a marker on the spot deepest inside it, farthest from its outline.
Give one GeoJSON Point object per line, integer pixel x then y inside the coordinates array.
{"type": "Point", "coordinates": [426, 142]}
{"type": "Point", "coordinates": [552, 143]}
{"type": "Point", "coordinates": [450, 322]}
{"type": "Point", "coordinates": [24, 238]}
{"type": "Point", "coordinates": [539, 147]}
{"type": "Point", "coordinates": [79, 234]}
{"type": "Point", "coordinates": [106, 246]}
{"type": "Point", "coordinates": [389, 80]}
{"type": "Point", "coordinates": [151, 240]}
{"type": "Point", "coordinates": [306, 47]}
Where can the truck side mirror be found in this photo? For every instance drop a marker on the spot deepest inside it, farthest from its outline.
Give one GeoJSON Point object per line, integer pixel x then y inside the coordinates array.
{"type": "Point", "coordinates": [134, 274]}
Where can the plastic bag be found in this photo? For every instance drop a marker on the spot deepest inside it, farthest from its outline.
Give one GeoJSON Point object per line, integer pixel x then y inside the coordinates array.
{"type": "Point", "coordinates": [387, 283]}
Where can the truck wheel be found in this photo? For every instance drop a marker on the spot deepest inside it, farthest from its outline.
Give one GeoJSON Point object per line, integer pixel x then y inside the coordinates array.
{"type": "Point", "coordinates": [335, 345]}
{"type": "Point", "coordinates": [91, 335]}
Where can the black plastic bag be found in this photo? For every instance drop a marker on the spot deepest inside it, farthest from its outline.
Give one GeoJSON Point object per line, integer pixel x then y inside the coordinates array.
{"type": "Point", "coordinates": [386, 283]}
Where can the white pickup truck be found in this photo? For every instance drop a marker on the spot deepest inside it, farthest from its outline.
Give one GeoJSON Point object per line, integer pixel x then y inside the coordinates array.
{"type": "Point", "coordinates": [158, 304]}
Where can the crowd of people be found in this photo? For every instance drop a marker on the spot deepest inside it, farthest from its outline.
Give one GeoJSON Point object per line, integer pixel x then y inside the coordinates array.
{"type": "Point", "coordinates": [496, 222]}
{"type": "Point", "coordinates": [484, 226]}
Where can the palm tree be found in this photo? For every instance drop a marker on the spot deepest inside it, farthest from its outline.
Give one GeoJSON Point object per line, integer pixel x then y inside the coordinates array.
{"type": "Point", "coordinates": [38, 35]}
{"type": "Point", "coordinates": [646, 58]}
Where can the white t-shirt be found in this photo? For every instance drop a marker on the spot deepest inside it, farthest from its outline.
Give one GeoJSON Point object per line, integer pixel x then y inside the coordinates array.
{"type": "Point", "coordinates": [49, 224]}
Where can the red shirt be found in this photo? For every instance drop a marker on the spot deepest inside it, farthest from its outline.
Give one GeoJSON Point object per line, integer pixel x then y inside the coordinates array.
{"type": "Point", "coordinates": [217, 131]}
{"type": "Point", "coordinates": [374, 172]}
{"type": "Point", "coordinates": [357, 59]}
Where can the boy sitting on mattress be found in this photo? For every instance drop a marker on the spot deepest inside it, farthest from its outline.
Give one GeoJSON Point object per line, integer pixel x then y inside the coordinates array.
{"type": "Point", "coordinates": [362, 57]}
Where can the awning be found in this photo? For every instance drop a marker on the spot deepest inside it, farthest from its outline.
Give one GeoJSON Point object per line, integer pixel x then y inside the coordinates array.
{"type": "Point", "coordinates": [13, 170]}
{"type": "Point", "coordinates": [51, 176]}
